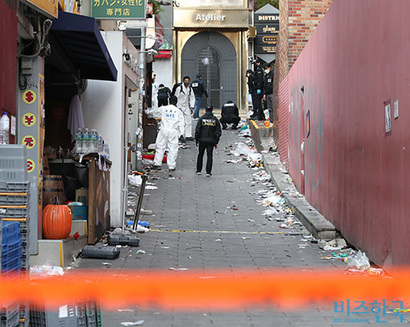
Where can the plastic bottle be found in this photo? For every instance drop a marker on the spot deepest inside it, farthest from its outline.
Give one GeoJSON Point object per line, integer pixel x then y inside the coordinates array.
{"type": "Point", "coordinates": [79, 141]}
{"type": "Point", "coordinates": [4, 129]}
{"type": "Point", "coordinates": [86, 141]}
{"type": "Point", "coordinates": [100, 144]}
{"type": "Point", "coordinates": [93, 141]}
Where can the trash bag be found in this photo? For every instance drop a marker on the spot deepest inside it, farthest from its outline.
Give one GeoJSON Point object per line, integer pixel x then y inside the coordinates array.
{"type": "Point", "coordinates": [358, 261]}
{"type": "Point", "coordinates": [242, 149]}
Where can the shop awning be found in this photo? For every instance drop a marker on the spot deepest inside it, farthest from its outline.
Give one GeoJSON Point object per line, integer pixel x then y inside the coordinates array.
{"type": "Point", "coordinates": [82, 40]}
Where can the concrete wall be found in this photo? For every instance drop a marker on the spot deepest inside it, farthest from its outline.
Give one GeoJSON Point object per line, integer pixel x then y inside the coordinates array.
{"type": "Point", "coordinates": [355, 173]}
{"type": "Point", "coordinates": [104, 105]}
{"type": "Point", "coordinates": [163, 69]}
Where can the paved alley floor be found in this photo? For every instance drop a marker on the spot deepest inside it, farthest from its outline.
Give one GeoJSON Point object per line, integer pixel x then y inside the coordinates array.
{"type": "Point", "coordinates": [204, 223]}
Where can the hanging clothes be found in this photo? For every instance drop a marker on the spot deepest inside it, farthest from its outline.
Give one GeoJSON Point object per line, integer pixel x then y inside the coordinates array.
{"type": "Point", "coordinates": [75, 116]}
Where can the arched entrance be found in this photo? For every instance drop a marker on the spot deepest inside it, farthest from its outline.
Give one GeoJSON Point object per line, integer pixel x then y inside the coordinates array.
{"type": "Point", "coordinates": [214, 57]}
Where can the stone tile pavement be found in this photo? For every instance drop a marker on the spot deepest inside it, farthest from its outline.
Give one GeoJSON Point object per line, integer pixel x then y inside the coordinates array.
{"type": "Point", "coordinates": [195, 225]}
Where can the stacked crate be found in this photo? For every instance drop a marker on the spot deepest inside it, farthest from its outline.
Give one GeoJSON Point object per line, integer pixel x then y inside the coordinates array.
{"type": "Point", "coordinates": [14, 209]}
{"type": "Point", "coordinates": [82, 314]}
{"type": "Point", "coordinates": [10, 267]}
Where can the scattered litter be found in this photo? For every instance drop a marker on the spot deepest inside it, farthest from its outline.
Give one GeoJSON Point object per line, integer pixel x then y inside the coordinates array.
{"type": "Point", "coordinates": [107, 264]}
{"type": "Point", "coordinates": [245, 238]}
{"type": "Point", "coordinates": [126, 310]}
{"type": "Point", "coordinates": [336, 244]}
{"type": "Point", "coordinates": [141, 229]}
{"type": "Point", "coordinates": [135, 323]}
{"type": "Point", "coordinates": [218, 240]}
{"type": "Point", "coordinates": [45, 270]}
{"type": "Point", "coordinates": [290, 222]}
{"type": "Point", "coordinates": [270, 212]}
{"type": "Point", "coordinates": [358, 261]}
{"type": "Point", "coordinates": [251, 220]}
{"type": "Point", "coordinates": [178, 269]}
{"type": "Point", "coordinates": [140, 252]}
{"type": "Point", "coordinates": [135, 180]}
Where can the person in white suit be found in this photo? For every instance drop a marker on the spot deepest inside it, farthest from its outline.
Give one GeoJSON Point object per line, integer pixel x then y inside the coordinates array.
{"type": "Point", "coordinates": [186, 102]}
{"type": "Point", "coordinates": [172, 127]}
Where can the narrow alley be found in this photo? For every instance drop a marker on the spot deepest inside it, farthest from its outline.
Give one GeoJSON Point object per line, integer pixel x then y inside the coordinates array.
{"type": "Point", "coordinates": [207, 223]}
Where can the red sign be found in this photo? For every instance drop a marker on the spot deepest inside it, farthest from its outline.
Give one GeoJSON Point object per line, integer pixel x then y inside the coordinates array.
{"type": "Point", "coordinates": [29, 119]}
{"type": "Point", "coordinates": [30, 165]}
{"type": "Point", "coordinates": [29, 141]}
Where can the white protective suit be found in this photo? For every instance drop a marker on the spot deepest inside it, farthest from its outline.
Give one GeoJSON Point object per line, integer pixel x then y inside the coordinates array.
{"type": "Point", "coordinates": [172, 127]}
{"type": "Point", "coordinates": [186, 102]}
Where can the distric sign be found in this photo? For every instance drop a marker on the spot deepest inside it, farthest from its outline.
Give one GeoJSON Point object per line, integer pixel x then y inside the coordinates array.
{"type": "Point", "coordinates": [114, 9]}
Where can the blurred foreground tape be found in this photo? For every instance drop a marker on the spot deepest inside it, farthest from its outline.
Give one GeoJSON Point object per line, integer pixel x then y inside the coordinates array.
{"type": "Point", "coordinates": [196, 289]}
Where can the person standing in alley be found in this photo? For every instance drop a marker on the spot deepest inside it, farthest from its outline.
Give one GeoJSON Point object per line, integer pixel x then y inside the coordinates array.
{"type": "Point", "coordinates": [186, 102]}
{"type": "Point", "coordinates": [258, 91]}
{"type": "Point", "coordinates": [251, 88]}
{"type": "Point", "coordinates": [230, 115]}
{"type": "Point", "coordinates": [199, 88]}
{"type": "Point", "coordinates": [268, 90]}
{"type": "Point", "coordinates": [164, 95]}
{"type": "Point", "coordinates": [172, 127]}
{"type": "Point", "coordinates": [207, 135]}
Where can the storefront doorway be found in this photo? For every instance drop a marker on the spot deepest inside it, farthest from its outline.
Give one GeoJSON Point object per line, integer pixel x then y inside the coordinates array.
{"type": "Point", "coordinates": [213, 56]}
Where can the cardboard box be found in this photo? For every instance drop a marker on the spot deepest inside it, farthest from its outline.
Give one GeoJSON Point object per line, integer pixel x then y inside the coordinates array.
{"type": "Point", "coordinates": [82, 192]}
{"type": "Point", "coordinates": [79, 212]}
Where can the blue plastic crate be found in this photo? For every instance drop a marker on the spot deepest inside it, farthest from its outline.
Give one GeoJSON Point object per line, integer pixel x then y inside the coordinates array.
{"type": "Point", "coordinates": [11, 232]}
{"type": "Point", "coordinates": [11, 246]}
{"type": "Point", "coordinates": [11, 266]}
{"type": "Point", "coordinates": [12, 253]}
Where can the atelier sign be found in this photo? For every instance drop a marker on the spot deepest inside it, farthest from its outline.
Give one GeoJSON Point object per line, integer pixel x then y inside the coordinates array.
{"type": "Point", "coordinates": [214, 18]}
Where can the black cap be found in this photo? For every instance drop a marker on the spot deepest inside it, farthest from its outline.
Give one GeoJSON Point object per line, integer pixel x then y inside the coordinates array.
{"type": "Point", "coordinates": [198, 75]}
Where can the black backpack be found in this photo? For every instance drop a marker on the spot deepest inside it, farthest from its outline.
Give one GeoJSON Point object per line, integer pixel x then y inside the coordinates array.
{"type": "Point", "coordinates": [174, 88]}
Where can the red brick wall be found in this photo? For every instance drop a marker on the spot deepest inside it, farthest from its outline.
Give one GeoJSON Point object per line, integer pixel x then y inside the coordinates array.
{"type": "Point", "coordinates": [298, 19]}
{"type": "Point", "coordinates": [303, 17]}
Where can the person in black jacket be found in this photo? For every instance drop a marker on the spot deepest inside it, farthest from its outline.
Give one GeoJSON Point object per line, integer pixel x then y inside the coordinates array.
{"type": "Point", "coordinates": [230, 115]}
{"type": "Point", "coordinates": [258, 91]}
{"type": "Point", "coordinates": [268, 91]}
{"type": "Point", "coordinates": [164, 95]}
{"type": "Point", "coordinates": [207, 135]}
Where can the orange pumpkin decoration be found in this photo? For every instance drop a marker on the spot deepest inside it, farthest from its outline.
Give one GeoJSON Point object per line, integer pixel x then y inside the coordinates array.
{"type": "Point", "coordinates": [56, 221]}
